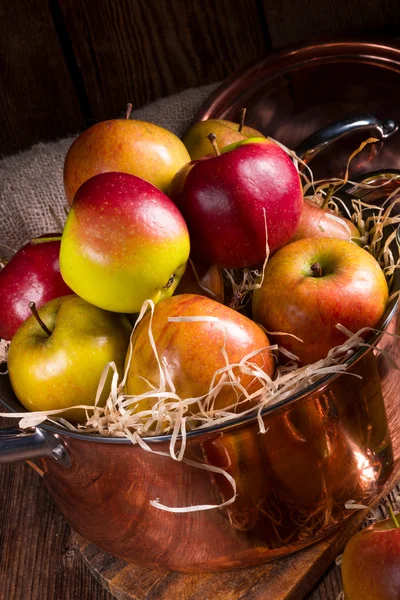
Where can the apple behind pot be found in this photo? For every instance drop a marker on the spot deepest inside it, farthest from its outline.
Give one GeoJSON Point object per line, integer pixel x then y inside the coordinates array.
{"type": "Point", "coordinates": [32, 275]}
{"type": "Point", "coordinates": [124, 242]}
{"type": "Point", "coordinates": [62, 367]}
{"type": "Point", "coordinates": [127, 146]}
{"type": "Point", "coordinates": [229, 201]}
{"type": "Point", "coordinates": [193, 350]}
{"type": "Point", "coordinates": [311, 285]}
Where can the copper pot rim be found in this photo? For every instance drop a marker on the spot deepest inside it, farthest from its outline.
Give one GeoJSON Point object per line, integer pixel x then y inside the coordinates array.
{"type": "Point", "coordinates": [379, 50]}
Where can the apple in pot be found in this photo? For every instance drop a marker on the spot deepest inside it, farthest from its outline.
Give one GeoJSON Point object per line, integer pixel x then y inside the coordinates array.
{"type": "Point", "coordinates": [56, 358]}
{"type": "Point", "coordinates": [193, 350]}
{"type": "Point", "coordinates": [229, 200]}
{"type": "Point", "coordinates": [311, 285]}
{"type": "Point", "coordinates": [226, 132]}
{"type": "Point", "coordinates": [124, 242]}
{"type": "Point", "coordinates": [202, 279]}
{"type": "Point", "coordinates": [321, 222]}
{"type": "Point", "coordinates": [371, 562]}
{"type": "Point", "coordinates": [32, 275]}
{"type": "Point", "coordinates": [124, 145]}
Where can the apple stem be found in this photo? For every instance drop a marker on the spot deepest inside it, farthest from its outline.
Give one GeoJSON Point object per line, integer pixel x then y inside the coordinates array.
{"type": "Point", "coordinates": [316, 270]}
{"type": "Point", "coordinates": [390, 510]}
{"type": "Point", "coordinates": [213, 139]}
{"type": "Point", "coordinates": [328, 196]}
{"type": "Point", "coordinates": [242, 118]}
{"type": "Point", "coordinates": [42, 240]}
{"type": "Point", "coordinates": [169, 282]}
{"type": "Point", "coordinates": [128, 110]}
{"type": "Point", "coordinates": [35, 313]}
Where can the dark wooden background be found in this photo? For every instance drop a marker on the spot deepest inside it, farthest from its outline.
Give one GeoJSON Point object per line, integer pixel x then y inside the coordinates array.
{"type": "Point", "coordinates": [64, 64]}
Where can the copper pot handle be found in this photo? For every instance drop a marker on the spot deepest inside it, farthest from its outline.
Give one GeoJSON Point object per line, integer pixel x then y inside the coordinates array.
{"type": "Point", "coordinates": [322, 138]}
{"type": "Point", "coordinates": [28, 444]}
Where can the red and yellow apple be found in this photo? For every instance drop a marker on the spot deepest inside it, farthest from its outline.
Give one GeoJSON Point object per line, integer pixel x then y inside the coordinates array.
{"type": "Point", "coordinates": [229, 201]}
{"type": "Point", "coordinates": [124, 242]}
{"type": "Point", "coordinates": [226, 132]}
{"type": "Point", "coordinates": [193, 350]}
{"type": "Point", "coordinates": [371, 563]}
{"type": "Point", "coordinates": [310, 286]}
{"type": "Point", "coordinates": [127, 146]}
{"type": "Point", "coordinates": [62, 367]}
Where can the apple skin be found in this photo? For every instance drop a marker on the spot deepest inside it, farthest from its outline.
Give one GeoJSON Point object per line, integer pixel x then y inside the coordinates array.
{"type": "Point", "coordinates": [124, 242]}
{"type": "Point", "coordinates": [352, 291]}
{"type": "Point", "coordinates": [371, 563]}
{"type": "Point", "coordinates": [193, 349]}
{"type": "Point", "coordinates": [226, 132]}
{"type": "Point", "coordinates": [316, 222]}
{"type": "Point", "coordinates": [223, 199]}
{"type": "Point", "coordinates": [64, 369]}
{"type": "Point", "coordinates": [32, 275]}
{"type": "Point", "coordinates": [127, 146]}
{"type": "Point", "coordinates": [208, 282]}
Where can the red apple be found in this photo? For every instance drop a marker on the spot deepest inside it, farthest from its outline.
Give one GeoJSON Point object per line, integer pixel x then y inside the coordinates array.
{"type": "Point", "coordinates": [32, 275]}
{"type": "Point", "coordinates": [127, 146]}
{"type": "Point", "coordinates": [229, 200]}
{"type": "Point", "coordinates": [193, 350]}
{"type": "Point", "coordinates": [371, 563]}
{"type": "Point", "coordinates": [124, 242]}
{"type": "Point", "coordinates": [311, 285]}
{"type": "Point", "coordinates": [322, 222]}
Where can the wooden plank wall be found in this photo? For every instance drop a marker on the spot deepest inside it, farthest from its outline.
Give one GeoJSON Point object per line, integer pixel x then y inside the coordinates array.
{"type": "Point", "coordinates": [65, 64]}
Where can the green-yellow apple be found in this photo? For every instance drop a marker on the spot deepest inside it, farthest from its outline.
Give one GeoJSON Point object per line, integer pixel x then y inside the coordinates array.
{"type": "Point", "coordinates": [232, 201]}
{"type": "Point", "coordinates": [311, 285]}
{"type": "Point", "coordinates": [226, 132]}
{"type": "Point", "coordinates": [127, 146]}
{"type": "Point", "coordinates": [193, 350]}
{"type": "Point", "coordinates": [32, 275]}
{"type": "Point", "coordinates": [61, 367]}
{"type": "Point", "coordinates": [371, 563]}
{"type": "Point", "coordinates": [322, 222]}
{"type": "Point", "coordinates": [202, 279]}
{"type": "Point", "coordinates": [124, 242]}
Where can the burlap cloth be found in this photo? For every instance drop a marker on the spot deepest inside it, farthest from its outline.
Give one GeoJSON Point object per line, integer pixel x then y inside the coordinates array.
{"type": "Point", "coordinates": [32, 181]}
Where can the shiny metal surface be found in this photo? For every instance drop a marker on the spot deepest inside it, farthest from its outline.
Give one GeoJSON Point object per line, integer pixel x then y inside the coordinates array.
{"type": "Point", "coordinates": [292, 93]}
{"type": "Point", "coordinates": [321, 139]}
{"type": "Point", "coordinates": [27, 444]}
{"type": "Point", "coordinates": [318, 452]}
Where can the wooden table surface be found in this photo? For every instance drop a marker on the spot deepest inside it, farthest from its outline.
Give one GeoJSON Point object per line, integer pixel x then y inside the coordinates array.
{"type": "Point", "coordinates": [37, 558]}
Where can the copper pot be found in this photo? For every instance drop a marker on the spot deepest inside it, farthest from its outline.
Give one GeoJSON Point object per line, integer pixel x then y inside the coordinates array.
{"type": "Point", "coordinates": [322, 447]}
